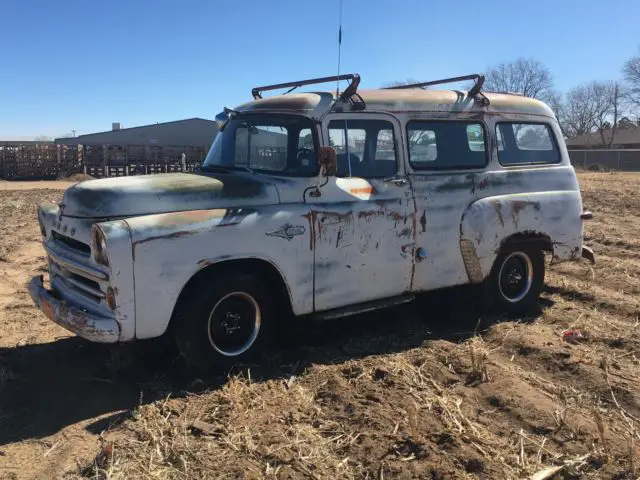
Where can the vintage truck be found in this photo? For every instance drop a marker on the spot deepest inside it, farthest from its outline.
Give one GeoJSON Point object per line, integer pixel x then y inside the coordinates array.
{"type": "Point", "coordinates": [317, 204]}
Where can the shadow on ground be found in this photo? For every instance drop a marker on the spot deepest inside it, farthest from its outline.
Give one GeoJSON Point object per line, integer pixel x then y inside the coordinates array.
{"type": "Point", "coordinates": [46, 387]}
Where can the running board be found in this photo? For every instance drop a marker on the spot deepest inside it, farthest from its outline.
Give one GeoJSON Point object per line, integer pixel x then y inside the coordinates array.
{"type": "Point", "coordinates": [363, 307]}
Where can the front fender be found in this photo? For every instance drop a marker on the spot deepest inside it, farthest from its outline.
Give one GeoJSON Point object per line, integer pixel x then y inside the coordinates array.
{"type": "Point", "coordinates": [487, 223]}
{"type": "Point", "coordinates": [169, 249]}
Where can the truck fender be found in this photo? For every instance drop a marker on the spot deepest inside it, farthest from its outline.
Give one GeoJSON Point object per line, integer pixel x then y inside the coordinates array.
{"type": "Point", "coordinates": [551, 218]}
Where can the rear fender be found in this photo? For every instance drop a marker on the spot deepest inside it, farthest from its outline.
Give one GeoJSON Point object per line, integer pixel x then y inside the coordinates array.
{"type": "Point", "coordinates": [552, 218]}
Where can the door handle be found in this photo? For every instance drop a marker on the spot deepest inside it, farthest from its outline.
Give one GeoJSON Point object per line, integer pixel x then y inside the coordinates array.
{"type": "Point", "coordinates": [397, 181]}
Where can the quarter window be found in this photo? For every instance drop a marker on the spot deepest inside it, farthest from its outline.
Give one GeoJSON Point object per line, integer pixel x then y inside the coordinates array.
{"type": "Point", "coordinates": [446, 145]}
{"type": "Point", "coordinates": [526, 143]}
{"type": "Point", "coordinates": [364, 148]}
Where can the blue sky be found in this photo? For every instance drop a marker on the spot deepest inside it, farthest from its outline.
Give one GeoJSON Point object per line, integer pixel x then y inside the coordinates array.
{"type": "Point", "coordinates": [81, 65]}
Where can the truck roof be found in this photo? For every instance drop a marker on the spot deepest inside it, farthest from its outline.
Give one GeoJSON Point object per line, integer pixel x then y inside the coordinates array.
{"type": "Point", "coordinates": [403, 100]}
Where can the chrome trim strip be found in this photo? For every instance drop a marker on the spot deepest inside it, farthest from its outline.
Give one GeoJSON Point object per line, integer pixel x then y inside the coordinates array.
{"type": "Point", "coordinates": [85, 288]}
{"type": "Point", "coordinates": [76, 267]}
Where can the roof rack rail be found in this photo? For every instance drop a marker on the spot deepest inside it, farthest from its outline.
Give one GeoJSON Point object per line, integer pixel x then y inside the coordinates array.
{"type": "Point", "coordinates": [478, 78]}
{"type": "Point", "coordinates": [348, 92]}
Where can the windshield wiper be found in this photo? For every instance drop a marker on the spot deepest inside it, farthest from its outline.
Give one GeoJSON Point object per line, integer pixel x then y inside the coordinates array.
{"type": "Point", "coordinates": [226, 168]}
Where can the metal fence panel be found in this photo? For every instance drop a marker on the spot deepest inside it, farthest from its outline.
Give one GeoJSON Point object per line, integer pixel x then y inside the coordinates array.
{"type": "Point", "coordinates": [620, 159]}
{"type": "Point", "coordinates": [44, 161]}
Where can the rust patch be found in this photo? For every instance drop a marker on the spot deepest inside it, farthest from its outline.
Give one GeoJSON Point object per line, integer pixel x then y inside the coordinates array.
{"type": "Point", "coordinates": [360, 190]}
{"type": "Point", "coordinates": [498, 209]}
{"type": "Point", "coordinates": [195, 216]}
{"type": "Point", "coordinates": [519, 205]}
{"type": "Point", "coordinates": [370, 213]}
{"type": "Point", "coordinates": [319, 220]}
{"type": "Point", "coordinates": [396, 216]}
{"type": "Point", "coordinates": [423, 221]}
{"type": "Point", "coordinates": [179, 234]}
{"type": "Point", "coordinates": [311, 218]}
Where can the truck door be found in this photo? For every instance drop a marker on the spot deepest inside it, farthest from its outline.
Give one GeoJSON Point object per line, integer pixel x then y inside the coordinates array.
{"type": "Point", "coordinates": [363, 223]}
{"type": "Point", "coordinates": [446, 159]}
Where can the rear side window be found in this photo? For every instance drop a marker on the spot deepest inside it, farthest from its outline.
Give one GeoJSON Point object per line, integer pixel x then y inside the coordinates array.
{"type": "Point", "coordinates": [446, 145]}
{"type": "Point", "coordinates": [526, 144]}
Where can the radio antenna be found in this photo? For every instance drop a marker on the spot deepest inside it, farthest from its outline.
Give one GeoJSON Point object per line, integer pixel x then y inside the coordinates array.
{"type": "Point", "coordinates": [339, 49]}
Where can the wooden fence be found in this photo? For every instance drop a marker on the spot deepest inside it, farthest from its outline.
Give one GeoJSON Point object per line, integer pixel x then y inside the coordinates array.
{"type": "Point", "coordinates": [50, 161]}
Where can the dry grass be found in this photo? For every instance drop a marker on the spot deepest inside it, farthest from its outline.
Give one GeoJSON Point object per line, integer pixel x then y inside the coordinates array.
{"type": "Point", "coordinates": [405, 399]}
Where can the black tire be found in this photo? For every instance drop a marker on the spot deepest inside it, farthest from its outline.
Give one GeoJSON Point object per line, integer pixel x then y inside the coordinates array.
{"type": "Point", "coordinates": [516, 279]}
{"type": "Point", "coordinates": [225, 319]}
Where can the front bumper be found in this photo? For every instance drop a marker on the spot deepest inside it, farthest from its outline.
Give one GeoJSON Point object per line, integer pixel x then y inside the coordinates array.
{"type": "Point", "coordinates": [87, 325]}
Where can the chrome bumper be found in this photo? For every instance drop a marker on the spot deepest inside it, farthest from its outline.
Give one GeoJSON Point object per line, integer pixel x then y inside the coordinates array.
{"type": "Point", "coordinates": [587, 253]}
{"type": "Point", "coordinates": [87, 325]}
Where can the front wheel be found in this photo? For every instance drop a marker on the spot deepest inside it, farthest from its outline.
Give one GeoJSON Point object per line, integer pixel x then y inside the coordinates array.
{"type": "Point", "coordinates": [223, 320]}
{"type": "Point", "coordinates": [516, 279]}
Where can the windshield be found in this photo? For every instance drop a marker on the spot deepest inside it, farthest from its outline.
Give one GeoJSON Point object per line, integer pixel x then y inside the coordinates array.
{"type": "Point", "coordinates": [284, 145]}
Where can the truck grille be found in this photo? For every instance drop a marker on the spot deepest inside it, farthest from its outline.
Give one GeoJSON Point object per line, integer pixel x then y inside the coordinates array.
{"type": "Point", "coordinates": [71, 243]}
{"type": "Point", "coordinates": [78, 284]}
{"type": "Point", "coordinates": [72, 274]}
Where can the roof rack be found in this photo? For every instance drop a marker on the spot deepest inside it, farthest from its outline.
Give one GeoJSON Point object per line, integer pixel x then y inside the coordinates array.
{"type": "Point", "coordinates": [478, 78]}
{"type": "Point", "coordinates": [354, 79]}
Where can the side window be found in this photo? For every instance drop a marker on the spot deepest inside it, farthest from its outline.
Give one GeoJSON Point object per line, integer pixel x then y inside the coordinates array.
{"type": "Point", "coordinates": [365, 148]}
{"type": "Point", "coordinates": [446, 145]}
{"type": "Point", "coordinates": [526, 143]}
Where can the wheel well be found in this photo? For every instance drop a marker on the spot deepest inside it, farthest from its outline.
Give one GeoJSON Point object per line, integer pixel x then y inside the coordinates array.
{"type": "Point", "coordinates": [254, 266]}
{"type": "Point", "coordinates": [535, 238]}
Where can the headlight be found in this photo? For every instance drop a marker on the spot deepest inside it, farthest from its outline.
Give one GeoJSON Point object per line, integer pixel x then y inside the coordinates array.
{"type": "Point", "coordinates": [99, 247]}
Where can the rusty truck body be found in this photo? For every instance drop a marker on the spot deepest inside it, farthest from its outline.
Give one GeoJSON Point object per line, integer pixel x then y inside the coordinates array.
{"type": "Point", "coordinates": [321, 204]}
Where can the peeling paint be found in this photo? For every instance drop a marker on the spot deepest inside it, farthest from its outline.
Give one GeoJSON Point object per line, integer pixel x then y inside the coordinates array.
{"type": "Point", "coordinates": [498, 208]}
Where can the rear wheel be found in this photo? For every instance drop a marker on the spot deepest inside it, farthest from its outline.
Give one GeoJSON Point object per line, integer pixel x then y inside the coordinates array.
{"type": "Point", "coordinates": [224, 320]}
{"type": "Point", "coordinates": [516, 279]}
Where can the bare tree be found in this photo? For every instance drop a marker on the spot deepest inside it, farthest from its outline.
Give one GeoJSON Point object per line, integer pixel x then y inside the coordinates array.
{"type": "Point", "coordinates": [594, 107]}
{"type": "Point", "coordinates": [579, 111]}
{"type": "Point", "coordinates": [631, 71]}
{"type": "Point", "coordinates": [556, 102]}
{"type": "Point", "coordinates": [399, 83]}
{"type": "Point", "coordinates": [526, 76]}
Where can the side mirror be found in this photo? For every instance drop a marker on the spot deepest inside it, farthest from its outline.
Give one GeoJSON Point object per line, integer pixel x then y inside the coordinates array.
{"type": "Point", "coordinates": [327, 161]}
{"type": "Point", "coordinates": [221, 120]}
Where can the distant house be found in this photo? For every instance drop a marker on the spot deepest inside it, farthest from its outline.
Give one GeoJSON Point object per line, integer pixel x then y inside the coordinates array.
{"type": "Point", "coordinates": [623, 138]}
{"type": "Point", "coordinates": [192, 131]}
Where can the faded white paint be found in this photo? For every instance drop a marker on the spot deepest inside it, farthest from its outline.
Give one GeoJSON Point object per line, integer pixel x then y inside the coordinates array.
{"type": "Point", "coordinates": [356, 242]}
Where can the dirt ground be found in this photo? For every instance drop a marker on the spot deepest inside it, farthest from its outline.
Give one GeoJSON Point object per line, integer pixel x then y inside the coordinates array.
{"type": "Point", "coordinates": [424, 391]}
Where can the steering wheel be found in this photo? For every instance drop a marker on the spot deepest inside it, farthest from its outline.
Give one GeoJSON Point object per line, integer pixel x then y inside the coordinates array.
{"type": "Point", "coordinates": [304, 156]}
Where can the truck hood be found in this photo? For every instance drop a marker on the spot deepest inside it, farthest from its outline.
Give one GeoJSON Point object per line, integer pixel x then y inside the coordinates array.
{"type": "Point", "coordinates": [163, 193]}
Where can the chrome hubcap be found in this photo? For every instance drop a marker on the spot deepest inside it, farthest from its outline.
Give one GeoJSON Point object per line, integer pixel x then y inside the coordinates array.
{"type": "Point", "coordinates": [234, 324]}
{"type": "Point", "coordinates": [515, 277]}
